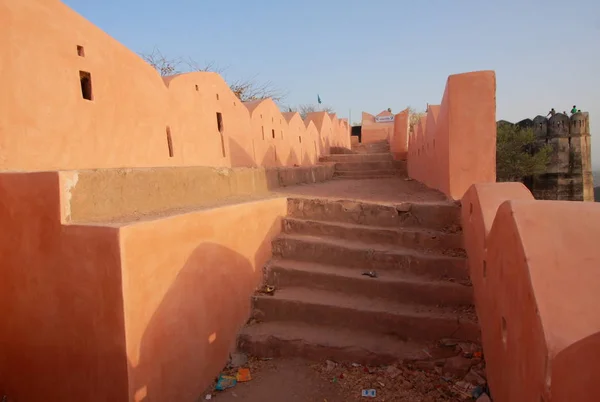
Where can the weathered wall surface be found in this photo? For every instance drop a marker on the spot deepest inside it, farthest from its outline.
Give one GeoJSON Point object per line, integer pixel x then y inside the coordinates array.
{"type": "Point", "coordinates": [130, 194]}
{"type": "Point", "coordinates": [534, 269]}
{"type": "Point", "coordinates": [68, 85]}
{"type": "Point", "coordinates": [569, 173]}
{"type": "Point", "coordinates": [454, 146]}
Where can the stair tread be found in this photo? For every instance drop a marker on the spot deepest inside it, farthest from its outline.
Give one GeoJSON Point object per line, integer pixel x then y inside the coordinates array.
{"type": "Point", "coordinates": [369, 171]}
{"type": "Point", "coordinates": [357, 273]}
{"type": "Point", "coordinates": [357, 245]}
{"type": "Point", "coordinates": [337, 338]}
{"type": "Point", "coordinates": [347, 225]}
{"type": "Point", "coordinates": [368, 304]}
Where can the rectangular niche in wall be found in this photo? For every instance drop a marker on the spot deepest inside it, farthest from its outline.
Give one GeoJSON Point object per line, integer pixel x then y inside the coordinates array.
{"type": "Point", "coordinates": [169, 142]}
{"type": "Point", "coordinates": [220, 128]}
{"type": "Point", "coordinates": [220, 122]}
{"type": "Point", "coordinates": [85, 80]}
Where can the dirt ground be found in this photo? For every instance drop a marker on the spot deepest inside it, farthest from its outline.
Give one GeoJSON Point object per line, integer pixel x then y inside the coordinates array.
{"type": "Point", "coordinates": [295, 380]}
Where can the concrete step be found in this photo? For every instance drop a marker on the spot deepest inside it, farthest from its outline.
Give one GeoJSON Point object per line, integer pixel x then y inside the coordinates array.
{"type": "Point", "coordinates": [368, 173]}
{"type": "Point", "coordinates": [345, 158]}
{"type": "Point", "coordinates": [365, 177]}
{"type": "Point", "coordinates": [368, 257]}
{"type": "Point", "coordinates": [442, 216]}
{"type": "Point", "coordinates": [369, 165]}
{"type": "Point", "coordinates": [367, 151]}
{"type": "Point", "coordinates": [388, 285]}
{"type": "Point", "coordinates": [341, 310]}
{"type": "Point", "coordinates": [293, 339]}
{"type": "Point", "coordinates": [382, 146]}
{"type": "Point", "coordinates": [426, 240]}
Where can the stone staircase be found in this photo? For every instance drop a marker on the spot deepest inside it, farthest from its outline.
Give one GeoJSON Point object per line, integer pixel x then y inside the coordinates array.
{"type": "Point", "coordinates": [379, 147]}
{"type": "Point", "coordinates": [369, 161]}
{"type": "Point", "coordinates": [416, 293]}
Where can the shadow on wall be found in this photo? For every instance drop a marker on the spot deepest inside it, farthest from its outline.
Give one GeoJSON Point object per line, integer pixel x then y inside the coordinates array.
{"type": "Point", "coordinates": [533, 265]}
{"type": "Point", "coordinates": [192, 332]}
{"type": "Point", "coordinates": [186, 300]}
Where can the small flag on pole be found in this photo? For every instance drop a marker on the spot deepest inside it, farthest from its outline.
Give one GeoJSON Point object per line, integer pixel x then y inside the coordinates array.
{"type": "Point", "coordinates": [318, 99]}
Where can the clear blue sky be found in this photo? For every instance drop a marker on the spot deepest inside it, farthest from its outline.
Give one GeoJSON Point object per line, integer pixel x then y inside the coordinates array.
{"type": "Point", "coordinates": [386, 53]}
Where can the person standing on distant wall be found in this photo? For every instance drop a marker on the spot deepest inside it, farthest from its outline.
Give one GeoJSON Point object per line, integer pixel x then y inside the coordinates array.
{"type": "Point", "coordinates": [551, 113]}
{"type": "Point", "coordinates": [574, 110]}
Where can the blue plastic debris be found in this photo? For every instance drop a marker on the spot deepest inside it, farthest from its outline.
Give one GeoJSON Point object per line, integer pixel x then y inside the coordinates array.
{"type": "Point", "coordinates": [369, 393]}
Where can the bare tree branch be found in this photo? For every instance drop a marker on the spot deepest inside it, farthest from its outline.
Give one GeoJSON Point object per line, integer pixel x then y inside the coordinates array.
{"type": "Point", "coordinates": [414, 117]}
{"type": "Point", "coordinates": [245, 89]}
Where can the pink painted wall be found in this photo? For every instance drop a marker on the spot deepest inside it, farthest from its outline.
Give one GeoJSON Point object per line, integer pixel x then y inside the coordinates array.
{"type": "Point", "coordinates": [132, 107]}
{"type": "Point", "coordinates": [372, 131]}
{"type": "Point", "coordinates": [185, 301]}
{"type": "Point", "coordinates": [534, 269]}
{"type": "Point", "coordinates": [455, 145]}
{"type": "Point", "coordinates": [399, 138]}
{"type": "Point", "coordinates": [62, 329]}
{"type": "Point", "coordinates": [122, 311]}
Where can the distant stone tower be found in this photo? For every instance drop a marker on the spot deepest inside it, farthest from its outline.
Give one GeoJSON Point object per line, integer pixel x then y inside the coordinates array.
{"type": "Point", "coordinates": [569, 174]}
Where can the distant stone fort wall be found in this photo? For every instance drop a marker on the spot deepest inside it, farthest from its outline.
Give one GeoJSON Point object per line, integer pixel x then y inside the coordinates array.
{"type": "Point", "coordinates": [569, 173]}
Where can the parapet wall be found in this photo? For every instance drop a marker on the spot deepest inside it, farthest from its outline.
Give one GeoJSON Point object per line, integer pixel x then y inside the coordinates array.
{"type": "Point", "coordinates": [122, 311]}
{"type": "Point", "coordinates": [534, 268]}
{"type": "Point", "coordinates": [454, 145]}
{"type": "Point", "coordinates": [121, 195]}
{"type": "Point", "coordinates": [67, 85]}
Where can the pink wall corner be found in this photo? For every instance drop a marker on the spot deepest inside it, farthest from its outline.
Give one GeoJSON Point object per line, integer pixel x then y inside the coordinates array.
{"type": "Point", "coordinates": [479, 206]}
{"type": "Point", "coordinates": [324, 127]}
{"type": "Point", "coordinates": [464, 136]}
{"type": "Point", "coordinates": [297, 133]}
{"type": "Point", "coordinates": [420, 170]}
{"type": "Point", "coordinates": [399, 141]}
{"type": "Point", "coordinates": [472, 130]}
{"type": "Point", "coordinates": [372, 131]}
{"type": "Point", "coordinates": [575, 371]}
{"type": "Point", "coordinates": [311, 149]}
{"type": "Point", "coordinates": [269, 132]}
{"type": "Point", "coordinates": [367, 118]}
{"type": "Point", "coordinates": [539, 322]}
{"type": "Point", "coordinates": [62, 330]}
{"type": "Point", "coordinates": [512, 331]}
{"type": "Point", "coordinates": [430, 167]}
{"type": "Point", "coordinates": [194, 109]}
{"type": "Point", "coordinates": [186, 301]}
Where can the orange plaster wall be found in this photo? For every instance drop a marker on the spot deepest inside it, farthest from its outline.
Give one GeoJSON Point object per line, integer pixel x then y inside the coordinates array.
{"type": "Point", "coordinates": [540, 326]}
{"type": "Point", "coordinates": [375, 132]}
{"type": "Point", "coordinates": [62, 327]}
{"type": "Point", "coordinates": [399, 140]}
{"type": "Point", "coordinates": [187, 296]}
{"type": "Point", "coordinates": [298, 139]}
{"type": "Point", "coordinates": [461, 147]}
{"type": "Point", "coordinates": [99, 313]}
{"type": "Point", "coordinates": [126, 124]}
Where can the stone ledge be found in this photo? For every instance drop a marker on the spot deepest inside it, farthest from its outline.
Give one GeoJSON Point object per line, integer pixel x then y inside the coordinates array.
{"type": "Point", "coordinates": [111, 194]}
